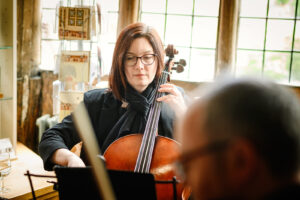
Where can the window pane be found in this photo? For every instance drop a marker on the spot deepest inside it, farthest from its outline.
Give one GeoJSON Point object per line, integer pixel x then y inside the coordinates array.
{"type": "Point", "coordinates": [109, 5]}
{"type": "Point", "coordinates": [298, 10]}
{"type": "Point", "coordinates": [254, 8]}
{"type": "Point", "coordinates": [202, 65]}
{"type": "Point", "coordinates": [249, 63]}
{"type": "Point", "coordinates": [109, 27]}
{"type": "Point", "coordinates": [78, 45]}
{"type": "Point", "coordinates": [208, 8]}
{"type": "Point", "coordinates": [184, 53]}
{"type": "Point", "coordinates": [49, 4]}
{"type": "Point", "coordinates": [157, 6]}
{"type": "Point", "coordinates": [180, 7]}
{"type": "Point", "coordinates": [282, 8]}
{"type": "Point", "coordinates": [178, 30]}
{"type": "Point", "coordinates": [49, 24]}
{"type": "Point", "coordinates": [279, 35]}
{"type": "Point", "coordinates": [107, 39]}
{"type": "Point", "coordinates": [251, 33]}
{"type": "Point", "coordinates": [295, 77]}
{"type": "Point", "coordinates": [297, 37]}
{"type": "Point", "coordinates": [76, 3]}
{"type": "Point", "coordinates": [155, 20]}
{"type": "Point", "coordinates": [50, 50]}
{"type": "Point", "coordinates": [205, 32]}
{"type": "Point", "coordinates": [106, 55]}
{"type": "Point", "coordinates": [277, 66]}
{"type": "Point", "coordinates": [94, 69]}
{"type": "Point", "coordinates": [85, 2]}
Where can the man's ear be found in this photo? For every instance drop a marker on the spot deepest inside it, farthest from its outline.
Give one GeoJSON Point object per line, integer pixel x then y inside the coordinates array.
{"type": "Point", "coordinates": [242, 162]}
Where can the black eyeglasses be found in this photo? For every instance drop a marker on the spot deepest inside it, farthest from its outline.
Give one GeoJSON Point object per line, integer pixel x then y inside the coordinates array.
{"type": "Point", "coordinates": [147, 59]}
{"type": "Point", "coordinates": [201, 151]}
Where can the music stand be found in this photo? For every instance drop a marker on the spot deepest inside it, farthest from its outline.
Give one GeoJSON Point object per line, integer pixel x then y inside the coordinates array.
{"type": "Point", "coordinates": [79, 183]}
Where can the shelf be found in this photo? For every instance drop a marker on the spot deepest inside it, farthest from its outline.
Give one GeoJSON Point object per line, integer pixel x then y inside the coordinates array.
{"type": "Point", "coordinates": [8, 65]}
{"type": "Point", "coordinates": [6, 47]}
{"type": "Point", "coordinates": [6, 98]}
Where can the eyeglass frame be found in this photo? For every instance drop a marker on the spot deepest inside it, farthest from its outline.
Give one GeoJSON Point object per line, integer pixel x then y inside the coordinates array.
{"type": "Point", "coordinates": [198, 152]}
{"type": "Point", "coordinates": [141, 58]}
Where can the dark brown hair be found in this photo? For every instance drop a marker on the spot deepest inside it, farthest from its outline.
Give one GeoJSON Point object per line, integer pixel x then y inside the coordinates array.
{"type": "Point", "coordinates": [117, 77]}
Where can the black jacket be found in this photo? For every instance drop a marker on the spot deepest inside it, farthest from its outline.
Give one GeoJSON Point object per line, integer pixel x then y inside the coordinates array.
{"type": "Point", "coordinates": [104, 111]}
{"type": "Point", "coordinates": [288, 192]}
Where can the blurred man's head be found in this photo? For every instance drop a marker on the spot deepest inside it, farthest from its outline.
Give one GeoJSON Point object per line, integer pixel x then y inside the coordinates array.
{"type": "Point", "coordinates": [241, 138]}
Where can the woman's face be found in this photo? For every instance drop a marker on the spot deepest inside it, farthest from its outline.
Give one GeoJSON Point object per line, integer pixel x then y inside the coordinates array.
{"type": "Point", "coordinates": [141, 73]}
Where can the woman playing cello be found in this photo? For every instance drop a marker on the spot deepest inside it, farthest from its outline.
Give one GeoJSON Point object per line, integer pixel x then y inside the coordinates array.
{"type": "Point", "coordinates": [138, 61]}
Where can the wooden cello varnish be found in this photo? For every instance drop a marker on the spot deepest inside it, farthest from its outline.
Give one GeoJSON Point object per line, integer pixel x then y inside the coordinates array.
{"type": "Point", "coordinates": [122, 155]}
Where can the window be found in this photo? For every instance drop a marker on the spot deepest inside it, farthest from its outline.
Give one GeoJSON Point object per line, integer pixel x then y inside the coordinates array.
{"type": "Point", "coordinates": [269, 40]}
{"type": "Point", "coordinates": [191, 26]}
{"type": "Point", "coordinates": [108, 36]}
{"type": "Point", "coordinates": [52, 46]}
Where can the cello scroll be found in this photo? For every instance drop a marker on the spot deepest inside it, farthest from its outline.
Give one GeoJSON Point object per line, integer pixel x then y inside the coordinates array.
{"type": "Point", "coordinates": [178, 66]}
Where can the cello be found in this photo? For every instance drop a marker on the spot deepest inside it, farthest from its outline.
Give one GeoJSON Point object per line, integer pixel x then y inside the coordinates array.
{"type": "Point", "coordinates": [148, 152]}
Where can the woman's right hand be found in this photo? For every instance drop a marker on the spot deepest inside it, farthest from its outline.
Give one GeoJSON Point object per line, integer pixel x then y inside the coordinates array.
{"type": "Point", "coordinates": [74, 161]}
{"type": "Point", "coordinates": [65, 157]}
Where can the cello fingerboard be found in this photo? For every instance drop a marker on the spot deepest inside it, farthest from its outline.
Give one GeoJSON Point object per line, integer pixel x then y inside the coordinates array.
{"type": "Point", "coordinates": [146, 150]}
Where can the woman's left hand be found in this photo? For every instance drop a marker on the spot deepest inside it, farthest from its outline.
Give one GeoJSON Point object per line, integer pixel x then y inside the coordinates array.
{"type": "Point", "coordinates": [174, 98]}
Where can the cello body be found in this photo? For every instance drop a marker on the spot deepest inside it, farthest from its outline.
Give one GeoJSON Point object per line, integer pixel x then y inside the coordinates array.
{"type": "Point", "coordinates": [122, 155]}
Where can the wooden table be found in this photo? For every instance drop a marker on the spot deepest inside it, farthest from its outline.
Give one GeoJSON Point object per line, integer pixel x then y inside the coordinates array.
{"type": "Point", "coordinates": [18, 183]}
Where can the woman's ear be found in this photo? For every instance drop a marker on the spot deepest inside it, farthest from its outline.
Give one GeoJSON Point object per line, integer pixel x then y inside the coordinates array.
{"type": "Point", "coordinates": [242, 162]}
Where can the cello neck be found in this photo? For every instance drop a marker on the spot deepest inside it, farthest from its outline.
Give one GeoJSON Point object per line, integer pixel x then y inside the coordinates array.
{"type": "Point", "coordinates": [146, 150]}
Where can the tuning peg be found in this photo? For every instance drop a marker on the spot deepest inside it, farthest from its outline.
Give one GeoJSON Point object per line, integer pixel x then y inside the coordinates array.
{"type": "Point", "coordinates": [178, 69]}
{"type": "Point", "coordinates": [181, 62]}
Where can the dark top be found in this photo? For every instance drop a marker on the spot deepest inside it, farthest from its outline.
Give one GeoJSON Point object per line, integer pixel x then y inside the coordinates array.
{"type": "Point", "coordinates": [104, 111]}
{"type": "Point", "coordinates": [288, 192]}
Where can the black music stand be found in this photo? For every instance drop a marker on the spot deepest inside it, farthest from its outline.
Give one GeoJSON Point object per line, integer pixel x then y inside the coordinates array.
{"type": "Point", "coordinates": [78, 183]}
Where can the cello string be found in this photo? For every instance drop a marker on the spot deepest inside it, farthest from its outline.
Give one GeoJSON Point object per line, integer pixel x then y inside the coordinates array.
{"type": "Point", "coordinates": [154, 118]}
{"type": "Point", "coordinates": [153, 135]}
{"type": "Point", "coordinates": [145, 145]}
{"type": "Point", "coordinates": [144, 150]}
{"type": "Point", "coordinates": [142, 157]}
{"type": "Point", "coordinates": [151, 141]}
